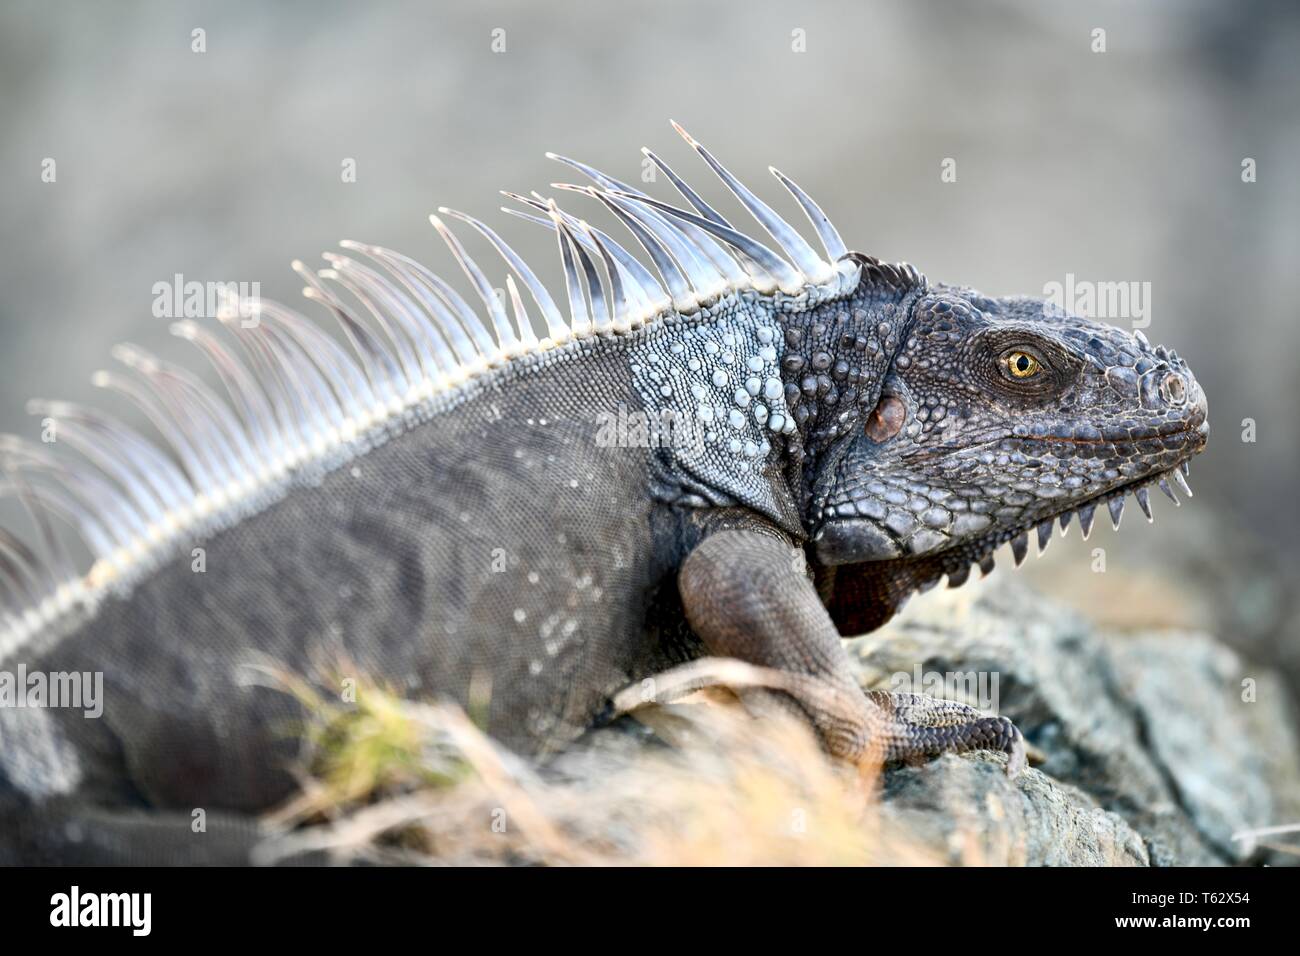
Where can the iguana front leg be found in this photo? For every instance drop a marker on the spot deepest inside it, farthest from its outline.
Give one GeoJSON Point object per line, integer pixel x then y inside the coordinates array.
{"type": "Point", "coordinates": [746, 596]}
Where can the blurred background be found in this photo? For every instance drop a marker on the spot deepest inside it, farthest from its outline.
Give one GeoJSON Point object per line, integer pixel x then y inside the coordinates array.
{"type": "Point", "coordinates": [1115, 166]}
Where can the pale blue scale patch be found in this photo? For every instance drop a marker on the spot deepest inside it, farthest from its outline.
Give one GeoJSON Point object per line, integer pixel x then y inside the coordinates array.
{"type": "Point", "coordinates": [718, 378]}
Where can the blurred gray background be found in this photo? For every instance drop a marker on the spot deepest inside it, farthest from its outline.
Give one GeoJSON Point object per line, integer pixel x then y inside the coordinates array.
{"type": "Point", "coordinates": [1115, 166]}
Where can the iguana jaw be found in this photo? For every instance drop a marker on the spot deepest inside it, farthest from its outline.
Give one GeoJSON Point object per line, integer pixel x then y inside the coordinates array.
{"type": "Point", "coordinates": [1115, 500]}
{"type": "Point", "coordinates": [863, 595]}
{"type": "Point", "coordinates": [841, 542]}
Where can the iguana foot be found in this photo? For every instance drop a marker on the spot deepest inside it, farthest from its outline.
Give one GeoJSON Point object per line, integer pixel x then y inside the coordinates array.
{"type": "Point", "coordinates": [920, 726]}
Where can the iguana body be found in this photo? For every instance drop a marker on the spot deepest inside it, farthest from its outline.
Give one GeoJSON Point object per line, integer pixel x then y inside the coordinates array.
{"type": "Point", "coordinates": [830, 436]}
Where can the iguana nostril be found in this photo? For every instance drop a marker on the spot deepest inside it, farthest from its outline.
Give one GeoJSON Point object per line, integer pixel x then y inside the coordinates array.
{"type": "Point", "coordinates": [1172, 389]}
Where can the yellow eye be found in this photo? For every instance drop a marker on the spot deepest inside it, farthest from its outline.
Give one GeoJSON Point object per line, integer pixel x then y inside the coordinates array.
{"type": "Point", "coordinates": [1022, 365]}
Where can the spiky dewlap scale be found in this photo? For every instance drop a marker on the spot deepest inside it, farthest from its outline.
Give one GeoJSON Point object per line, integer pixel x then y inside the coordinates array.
{"type": "Point", "coordinates": [695, 324]}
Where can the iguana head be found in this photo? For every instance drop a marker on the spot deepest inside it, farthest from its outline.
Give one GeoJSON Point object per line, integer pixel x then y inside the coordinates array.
{"type": "Point", "coordinates": [996, 417]}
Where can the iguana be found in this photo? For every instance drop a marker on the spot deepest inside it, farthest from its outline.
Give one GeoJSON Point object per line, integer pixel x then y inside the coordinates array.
{"type": "Point", "coordinates": [749, 454]}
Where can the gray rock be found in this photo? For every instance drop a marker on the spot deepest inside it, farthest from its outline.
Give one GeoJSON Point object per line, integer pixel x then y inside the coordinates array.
{"type": "Point", "coordinates": [1151, 734]}
{"type": "Point", "coordinates": [966, 810]}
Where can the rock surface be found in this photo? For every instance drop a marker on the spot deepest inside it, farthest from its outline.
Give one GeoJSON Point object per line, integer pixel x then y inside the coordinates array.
{"type": "Point", "coordinates": [1155, 748]}
{"type": "Point", "coordinates": [966, 810]}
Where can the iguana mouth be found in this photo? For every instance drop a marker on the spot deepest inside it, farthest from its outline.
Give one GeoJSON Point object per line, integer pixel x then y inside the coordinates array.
{"type": "Point", "coordinates": [1104, 442]}
{"type": "Point", "coordinates": [1200, 427]}
{"type": "Point", "coordinates": [1137, 488]}
{"type": "Point", "coordinates": [1115, 497]}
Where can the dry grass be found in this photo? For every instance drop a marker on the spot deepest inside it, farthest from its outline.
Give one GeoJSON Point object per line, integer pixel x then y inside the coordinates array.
{"type": "Point", "coordinates": [391, 781]}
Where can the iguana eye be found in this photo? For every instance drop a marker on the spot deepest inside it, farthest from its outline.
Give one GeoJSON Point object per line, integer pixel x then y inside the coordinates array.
{"type": "Point", "coordinates": [1022, 364]}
